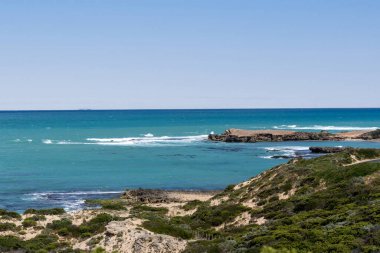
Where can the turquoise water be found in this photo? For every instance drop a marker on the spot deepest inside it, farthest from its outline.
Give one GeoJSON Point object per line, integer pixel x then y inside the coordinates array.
{"type": "Point", "coordinates": [60, 158]}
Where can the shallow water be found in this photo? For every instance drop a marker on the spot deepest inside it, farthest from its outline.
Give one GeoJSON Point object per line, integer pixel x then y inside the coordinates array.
{"type": "Point", "coordinates": [52, 158]}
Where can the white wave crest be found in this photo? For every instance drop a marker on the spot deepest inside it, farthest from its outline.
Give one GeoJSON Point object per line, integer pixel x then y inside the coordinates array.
{"type": "Point", "coordinates": [23, 140]}
{"type": "Point", "coordinates": [148, 135]}
{"type": "Point", "coordinates": [266, 157]}
{"type": "Point", "coordinates": [326, 128]}
{"type": "Point", "coordinates": [287, 148]}
{"type": "Point", "coordinates": [70, 201]}
{"type": "Point", "coordinates": [149, 140]}
{"type": "Point", "coordinates": [44, 195]}
{"type": "Point", "coordinates": [286, 152]}
{"type": "Point", "coordinates": [133, 141]}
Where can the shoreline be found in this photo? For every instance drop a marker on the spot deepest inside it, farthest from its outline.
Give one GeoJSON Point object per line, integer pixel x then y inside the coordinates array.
{"type": "Point", "coordinates": [151, 220]}
{"type": "Point", "coordinates": [253, 136]}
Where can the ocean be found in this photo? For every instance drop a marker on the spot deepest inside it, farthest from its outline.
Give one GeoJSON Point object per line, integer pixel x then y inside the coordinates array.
{"type": "Point", "coordinates": [60, 158]}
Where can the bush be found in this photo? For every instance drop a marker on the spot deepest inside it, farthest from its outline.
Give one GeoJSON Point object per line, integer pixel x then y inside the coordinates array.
{"type": "Point", "coordinates": [168, 227]}
{"type": "Point", "coordinates": [111, 204]}
{"type": "Point", "coordinates": [192, 205]}
{"type": "Point", "coordinates": [64, 227]}
{"type": "Point", "coordinates": [9, 214]}
{"type": "Point", "coordinates": [9, 242]}
{"type": "Point", "coordinates": [38, 218]}
{"type": "Point", "coordinates": [229, 188]}
{"type": "Point", "coordinates": [40, 243]}
{"type": "Point", "coordinates": [206, 216]}
{"type": "Point", "coordinates": [28, 222]}
{"type": "Point", "coordinates": [144, 212]}
{"type": "Point", "coordinates": [52, 211]}
{"type": "Point", "coordinates": [7, 226]}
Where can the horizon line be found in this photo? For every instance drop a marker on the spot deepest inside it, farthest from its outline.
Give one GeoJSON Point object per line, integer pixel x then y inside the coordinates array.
{"type": "Point", "coordinates": [194, 109]}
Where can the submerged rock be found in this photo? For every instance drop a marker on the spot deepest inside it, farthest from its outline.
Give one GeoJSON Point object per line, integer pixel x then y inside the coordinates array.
{"type": "Point", "coordinates": [327, 150]}
{"type": "Point", "coordinates": [147, 196]}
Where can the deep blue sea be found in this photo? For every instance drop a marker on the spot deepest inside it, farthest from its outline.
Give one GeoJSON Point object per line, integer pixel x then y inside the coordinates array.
{"type": "Point", "coordinates": [61, 158]}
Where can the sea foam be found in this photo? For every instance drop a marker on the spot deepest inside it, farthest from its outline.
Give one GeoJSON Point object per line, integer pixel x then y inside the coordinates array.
{"type": "Point", "coordinates": [147, 140]}
{"type": "Point", "coordinates": [326, 128]}
{"type": "Point", "coordinates": [287, 151]}
{"type": "Point", "coordinates": [70, 201]}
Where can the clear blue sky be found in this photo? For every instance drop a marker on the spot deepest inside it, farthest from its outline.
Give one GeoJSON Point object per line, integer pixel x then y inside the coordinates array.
{"type": "Point", "coordinates": [189, 54]}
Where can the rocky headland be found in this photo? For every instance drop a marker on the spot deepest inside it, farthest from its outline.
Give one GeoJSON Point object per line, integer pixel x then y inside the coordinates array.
{"type": "Point", "coordinates": [241, 135]}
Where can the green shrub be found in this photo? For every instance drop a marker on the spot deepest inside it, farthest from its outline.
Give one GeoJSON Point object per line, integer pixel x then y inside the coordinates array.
{"type": "Point", "coordinates": [28, 222]}
{"type": "Point", "coordinates": [266, 249]}
{"type": "Point", "coordinates": [207, 216]}
{"type": "Point", "coordinates": [165, 226]}
{"type": "Point", "coordinates": [52, 211]}
{"type": "Point", "coordinates": [144, 212]}
{"type": "Point", "coordinates": [9, 214]}
{"type": "Point", "coordinates": [367, 153]}
{"type": "Point", "coordinates": [7, 226]}
{"type": "Point", "coordinates": [9, 242]}
{"type": "Point", "coordinates": [40, 243]}
{"type": "Point", "coordinates": [110, 204]}
{"type": "Point", "coordinates": [191, 205]}
{"type": "Point", "coordinates": [229, 187]}
{"type": "Point", "coordinates": [99, 250]}
{"type": "Point", "coordinates": [64, 227]}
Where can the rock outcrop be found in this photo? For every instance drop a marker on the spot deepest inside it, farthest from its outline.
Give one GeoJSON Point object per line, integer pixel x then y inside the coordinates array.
{"type": "Point", "coordinates": [147, 196]}
{"type": "Point", "coordinates": [328, 150]}
{"type": "Point", "coordinates": [240, 135]}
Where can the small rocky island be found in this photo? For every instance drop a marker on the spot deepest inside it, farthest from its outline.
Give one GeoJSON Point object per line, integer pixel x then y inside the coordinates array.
{"type": "Point", "coordinates": [241, 135]}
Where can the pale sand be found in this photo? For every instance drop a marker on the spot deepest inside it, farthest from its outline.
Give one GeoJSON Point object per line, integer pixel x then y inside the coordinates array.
{"type": "Point", "coordinates": [185, 196]}
{"type": "Point", "coordinates": [244, 133]}
{"type": "Point", "coordinates": [352, 134]}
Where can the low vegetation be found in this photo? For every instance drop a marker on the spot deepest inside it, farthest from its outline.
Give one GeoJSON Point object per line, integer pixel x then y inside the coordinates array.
{"type": "Point", "coordinates": [191, 205]}
{"type": "Point", "coordinates": [40, 244]}
{"type": "Point", "coordinates": [326, 204]}
{"type": "Point", "coordinates": [335, 208]}
{"type": "Point", "coordinates": [52, 211]}
{"type": "Point", "coordinates": [4, 214]}
{"type": "Point", "coordinates": [7, 226]}
{"type": "Point", "coordinates": [96, 225]}
{"type": "Point", "coordinates": [108, 204]}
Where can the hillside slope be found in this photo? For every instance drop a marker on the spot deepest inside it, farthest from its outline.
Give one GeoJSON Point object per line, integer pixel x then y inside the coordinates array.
{"type": "Point", "coordinates": [326, 204]}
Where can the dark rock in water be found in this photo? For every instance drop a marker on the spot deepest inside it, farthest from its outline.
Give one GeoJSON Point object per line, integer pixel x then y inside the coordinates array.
{"type": "Point", "coordinates": [146, 196]}
{"type": "Point", "coordinates": [282, 157]}
{"type": "Point", "coordinates": [327, 150]}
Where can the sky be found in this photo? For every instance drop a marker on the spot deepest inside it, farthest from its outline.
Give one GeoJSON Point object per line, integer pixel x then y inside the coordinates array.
{"type": "Point", "coordinates": [142, 54]}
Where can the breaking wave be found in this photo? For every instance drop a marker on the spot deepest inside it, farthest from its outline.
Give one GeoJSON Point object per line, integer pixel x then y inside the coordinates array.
{"type": "Point", "coordinates": [287, 152]}
{"type": "Point", "coordinates": [319, 127]}
{"type": "Point", "coordinates": [147, 140]}
{"type": "Point", "coordinates": [70, 201]}
{"type": "Point", "coordinates": [23, 140]}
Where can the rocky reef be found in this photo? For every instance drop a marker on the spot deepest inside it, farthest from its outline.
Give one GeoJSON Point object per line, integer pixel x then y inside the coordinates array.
{"type": "Point", "coordinates": [328, 150]}
{"type": "Point", "coordinates": [241, 135]}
